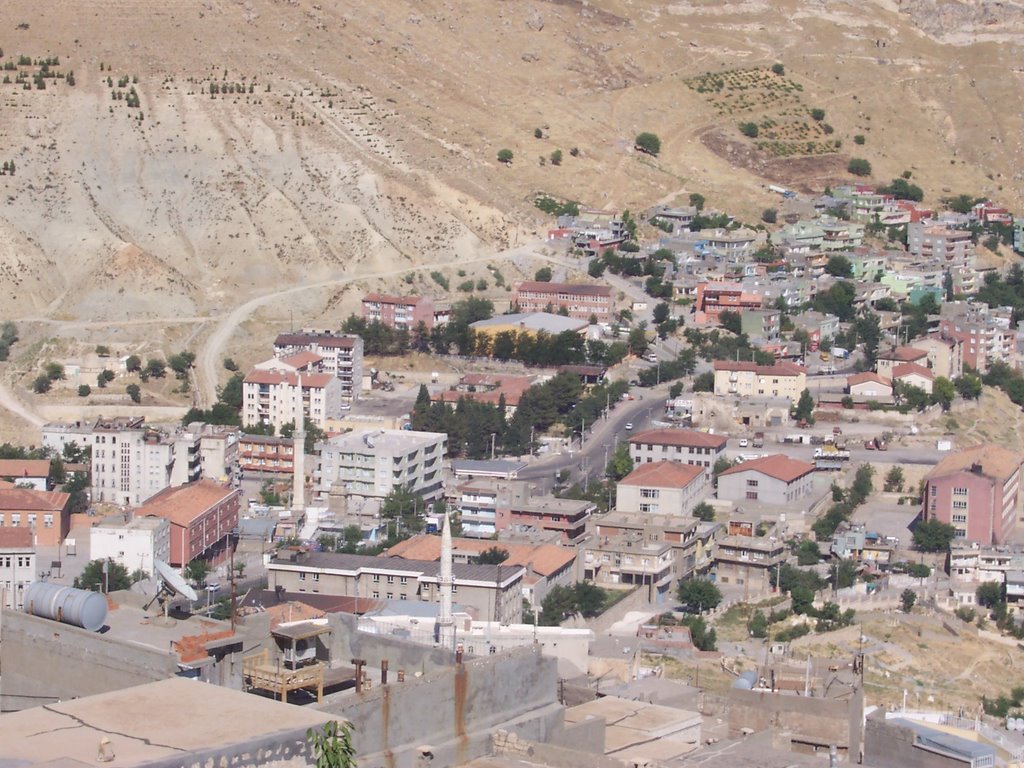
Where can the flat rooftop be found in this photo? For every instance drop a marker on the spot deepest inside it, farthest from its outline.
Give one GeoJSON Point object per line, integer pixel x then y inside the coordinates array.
{"type": "Point", "coordinates": [182, 716]}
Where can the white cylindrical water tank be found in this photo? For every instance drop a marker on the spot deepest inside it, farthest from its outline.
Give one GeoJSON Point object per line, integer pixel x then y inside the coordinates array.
{"type": "Point", "coordinates": [79, 607]}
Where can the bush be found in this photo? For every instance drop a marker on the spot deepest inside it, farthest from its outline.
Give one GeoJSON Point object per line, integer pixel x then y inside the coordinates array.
{"type": "Point", "coordinates": [42, 384]}
{"type": "Point", "coordinates": [859, 167]}
{"type": "Point", "coordinates": [778, 69]}
{"type": "Point", "coordinates": [817, 114]}
{"type": "Point", "coordinates": [84, 390]}
{"type": "Point", "coordinates": [543, 275]}
{"type": "Point", "coordinates": [538, 133]}
{"type": "Point", "coordinates": [769, 215]}
{"type": "Point", "coordinates": [704, 512]}
{"type": "Point", "coordinates": [556, 157]}
{"type": "Point", "coordinates": [698, 595]}
{"type": "Point", "coordinates": [907, 600]}
{"type": "Point", "coordinates": [649, 143]}
{"type": "Point", "coordinates": [505, 156]}
{"type": "Point", "coordinates": [750, 130]}
{"type": "Point", "coordinates": [859, 139]}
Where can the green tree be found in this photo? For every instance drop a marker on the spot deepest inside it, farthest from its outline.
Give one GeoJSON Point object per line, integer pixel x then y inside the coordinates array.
{"type": "Point", "coordinates": [93, 578]}
{"type": "Point", "coordinates": [933, 536]}
{"type": "Point", "coordinates": [817, 114]}
{"type": "Point", "coordinates": [778, 69]}
{"type": "Point", "coordinates": [649, 143]}
{"type": "Point", "coordinates": [620, 464]}
{"type": "Point", "coordinates": [54, 371]}
{"type": "Point", "coordinates": [133, 364]}
{"type": "Point", "coordinates": [84, 390]}
{"type": "Point", "coordinates": [134, 392]}
{"type": "Point", "coordinates": [859, 139]}
{"type": "Point", "coordinates": [156, 368]}
{"type": "Point", "coordinates": [894, 479]}
{"type": "Point", "coordinates": [968, 386]}
{"type": "Point", "coordinates": [943, 392]}
{"type": "Point", "coordinates": [556, 157]}
{"type": "Point", "coordinates": [769, 215]}
{"type": "Point", "coordinates": [197, 571]}
{"type": "Point", "coordinates": [804, 410]}
{"type": "Point", "coordinates": [749, 129]}
{"type": "Point", "coordinates": [102, 350]}
{"type": "Point", "coordinates": [758, 625]}
{"type": "Point", "coordinates": [405, 508]}
{"type": "Point", "coordinates": [839, 266]}
{"type": "Point", "coordinates": [492, 556]}
{"type": "Point", "coordinates": [808, 553]}
{"type": "Point", "coordinates": [990, 594]}
{"type": "Point", "coordinates": [697, 201]}
{"type": "Point", "coordinates": [859, 167]}
{"type": "Point", "coordinates": [704, 382]}
{"type": "Point", "coordinates": [42, 384]}
{"type": "Point", "coordinates": [543, 275]}
{"type": "Point", "coordinates": [332, 745]}
{"type": "Point", "coordinates": [559, 603]}
{"type": "Point", "coordinates": [704, 512]}
{"type": "Point", "coordinates": [703, 639]}
{"type": "Point", "coordinates": [907, 599]}
{"type": "Point", "coordinates": [698, 595]}
{"type": "Point", "coordinates": [230, 364]}
{"type": "Point", "coordinates": [505, 156]}
{"type": "Point", "coordinates": [731, 321]}
{"type": "Point", "coordinates": [538, 133]}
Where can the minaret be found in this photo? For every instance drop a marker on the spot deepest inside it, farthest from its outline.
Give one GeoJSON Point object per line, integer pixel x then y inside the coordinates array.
{"type": "Point", "coordinates": [445, 622]}
{"type": "Point", "coordinates": [299, 452]}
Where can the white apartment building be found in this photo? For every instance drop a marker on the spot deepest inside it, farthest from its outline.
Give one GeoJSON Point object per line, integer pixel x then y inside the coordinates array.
{"type": "Point", "coordinates": [373, 462]}
{"type": "Point", "coordinates": [272, 397]}
{"type": "Point", "coordinates": [684, 446]}
{"type": "Point", "coordinates": [662, 487]}
{"type": "Point", "coordinates": [130, 463]}
{"type": "Point", "coordinates": [342, 356]}
{"type": "Point", "coordinates": [745, 379]}
{"type": "Point", "coordinates": [133, 544]}
{"type": "Point", "coordinates": [17, 565]}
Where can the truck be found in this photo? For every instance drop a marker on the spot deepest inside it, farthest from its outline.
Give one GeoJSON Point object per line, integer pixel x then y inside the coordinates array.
{"type": "Point", "coordinates": [831, 453]}
{"type": "Point", "coordinates": [876, 444]}
{"type": "Point", "coordinates": [840, 352]}
{"type": "Point", "coordinates": [758, 441]}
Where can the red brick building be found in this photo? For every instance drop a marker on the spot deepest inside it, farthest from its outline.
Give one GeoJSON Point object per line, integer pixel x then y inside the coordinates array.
{"type": "Point", "coordinates": [579, 300]}
{"type": "Point", "coordinates": [402, 312]}
{"type": "Point", "coordinates": [201, 514]}
{"type": "Point", "coordinates": [45, 513]}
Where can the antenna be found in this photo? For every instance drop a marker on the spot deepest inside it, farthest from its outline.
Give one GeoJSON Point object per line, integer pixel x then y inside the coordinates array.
{"type": "Point", "coordinates": [171, 585]}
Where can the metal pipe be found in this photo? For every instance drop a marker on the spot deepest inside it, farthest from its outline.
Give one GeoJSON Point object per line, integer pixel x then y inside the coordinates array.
{"type": "Point", "coordinates": [384, 672]}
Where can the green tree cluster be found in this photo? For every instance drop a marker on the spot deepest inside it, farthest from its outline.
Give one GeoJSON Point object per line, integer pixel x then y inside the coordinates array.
{"type": "Point", "coordinates": [562, 601]}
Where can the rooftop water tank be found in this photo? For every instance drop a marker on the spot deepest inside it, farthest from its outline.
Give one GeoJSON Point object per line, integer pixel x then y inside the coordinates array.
{"type": "Point", "coordinates": [745, 681]}
{"type": "Point", "coordinates": [78, 607]}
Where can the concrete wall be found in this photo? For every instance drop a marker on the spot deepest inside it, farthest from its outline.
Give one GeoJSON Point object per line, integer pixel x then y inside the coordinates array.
{"type": "Point", "coordinates": [453, 711]}
{"type": "Point", "coordinates": [825, 721]}
{"type": "Point", "coordinates": [42, 661]}
{"type": "Point", "coordinates": [346, 644]}
{"type": "Point", "coordinates": [888, 745]}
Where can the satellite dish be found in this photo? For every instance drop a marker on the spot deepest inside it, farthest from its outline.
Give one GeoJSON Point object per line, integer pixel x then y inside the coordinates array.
{"type": "Point", "coordinates": [172, 582]}
{"type": "Point", "coordinates": [171, 585]}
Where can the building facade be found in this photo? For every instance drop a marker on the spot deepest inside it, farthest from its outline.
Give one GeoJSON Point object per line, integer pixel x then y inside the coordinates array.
{"type": "Point", "coordinates": [273, 397]}
{"type": "Point", "coordinates": [489, 592]}
{"type": "Point", "coordinates": [133, 543]}
{"type": "Point", "coordinates": [580, 301]}
{"type": "Point", "coordinates": [977, 491]}
{"type": "Point", "coordinates": [401, 312]}
{"type": "Point", "coordinates": [342, 356]}
{"type": "Point", "coordinates": [752, 380]}
{"type": "Point", "coordinates": [774, 480]}
{"type": "Point", "coordinates": [263, 453]}
{"type": "Point", "coordinates": [748, 561]}
{"type": "Point", "coordinates": [17, 566]}
{"type": "Point", "coordinates": [685, 446]}
{"type": "Point", "coordinates": [373, 462]}
{"type": "Point", "coordinates": [202, 517]}
{"type": "Point", "coordinates": [44, 514]}
{"type": "Point", "coordinates": [662, 487]}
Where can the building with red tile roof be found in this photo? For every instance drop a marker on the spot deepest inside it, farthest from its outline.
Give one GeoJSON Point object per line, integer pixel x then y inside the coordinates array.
{"type": "Point", "coordinates": [868, 384]}
{"type": "Point", "coordinates": [748, 379]}
{"type": "Point", "coordinates": [273, 397]}
{"type": "Point", "coordinates": [44, 513]}
{"type": "Point", "coordinates": [662, 488]}
{"type": "Point", "coordinates": [914, 375]}
{"type": "Point", "coordinates": [201, 514]}
{"type": "Point", "coordinates": [684, 446]}
{"type": "Point", "coordinates": [579, 300]}
{"type": "Point", "coordinates": [887, 360]}
{"type": "Point", "coordinates": [34, 472]}
{"type": "Point", "coordinates": [401, 312]}
{"type": "Point", "coordinates": [775, 479]}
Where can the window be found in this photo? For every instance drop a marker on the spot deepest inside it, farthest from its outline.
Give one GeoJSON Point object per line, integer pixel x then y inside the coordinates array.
{"type": "Point", "coordinates": [649, 493]}
{"type": "Point", "coordinates": [649, 508]}
{"type": "Point", "coordinates": [391, 595]}
{"type": "Point", "coordinates": [959, 518]}
{"type": "Point", "coordinates": [15, 520]}
{"type": "Point", "coordinates": [391, 579]}
{"type": "Point", "coordinates": [752, 495]}
{"type": "Point", "coordinates": [403, 581]}
{"type": "Point", "coordinates": [752, 483]}
{"type": "Point", "coordinates": [375, 594]}
{"type": "Point", "coordinates": [376, 578]}
{"type": "Point", "coordinates": [958, 491]}
{"type": "Point", "coordinates": [316, 577]}
{"type": "Point", "coordinates": [959, 505]}
{"type": "Point", "coordinates": [302, 576]}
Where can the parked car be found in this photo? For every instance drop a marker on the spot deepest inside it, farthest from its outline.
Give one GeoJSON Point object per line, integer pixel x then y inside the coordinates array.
{"type": "Point", "coordinates": [629, 426]}
{"type": "Point", "coordinates": [744, 442]}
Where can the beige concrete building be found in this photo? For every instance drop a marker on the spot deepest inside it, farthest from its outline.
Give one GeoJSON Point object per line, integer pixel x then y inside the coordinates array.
{"type": "Point", "coordinates": [662, 487]}
{"type": "Point", "coordinates": [272, 397]}
{"type": "Point", "coordinates": [889, 359]}
{"type": "Point", "coordinates": [945, 355]}
{"type": "Point", "coordinates": [341, 356]}
{"type": "Point", "coordinates": [747, 561]}
{"type": "Point", "coordinates": [774, 479]}
{"type": "Point", "coordinates": [684, 446]}
{"type": "Point", "coordinates": [17, 565]}
{"type": "Point", "coordinates": [746, 379]}
{"type": "Point", "coordinates": [134, 543]}
{"type": "Point", "coordinates": [373, 462]}
{"type": "Point", "coordinates": [487, 592]}
{"type": "Point", "coordinates": [912, 374]}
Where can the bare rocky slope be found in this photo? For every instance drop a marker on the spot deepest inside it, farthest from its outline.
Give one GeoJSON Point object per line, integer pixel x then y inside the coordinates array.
{"type": "Point", "coordinates": [278, 143]}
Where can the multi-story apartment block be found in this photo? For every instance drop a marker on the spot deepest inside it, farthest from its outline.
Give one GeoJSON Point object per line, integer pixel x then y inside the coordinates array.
{"type": "Point", "coordinates": [713, 298]}
{"type": "Point", "coordinates": [628, 561]}
{"type": "Point", "coordinates": [487, 592]}
{"type": "Point", "coordinates": [580, 301]}
{"type": "Point", "coordinates": [752, 380]}
{"type": "Point", "coordinates": [748, 561]}
{"type": "Point", "coordinates": [218, 451]}
{"type": "Point", "coordinates": [888, 359]}
{"type": "Point", "coordinates": [949, 246]}
{"type": "Point", "coordinates": [945, 354]}
{"type": "Point", "coordinates": [1018, 234]}
{"type": "Point", "coordinates": [662, 487]}
{"type": "Point", "coordinates": [373, 462]}
{"type": "Point", "coordinates": [977, 491]}
{"type": "Point", "coordinates": [764, 324]}
{"type": "Point", "coordinates": [401, 312]}
{"type": "Point", "coordinates": [130, 462]}
{"type": "Point", "coordinates": [342, 356]}
{"type": "Point", "coordinates": [692, 542]}
{"type": "Point", "coordinates": [984, 332]}
{"type": "Point", "coordinates": [201, 518]}
{"type": "Point", "coordinates": [134, 543]}
{"type": "Point", "coordinates": [685, 446]}
{"type": "Point", "coordinates": [273, 397]}
{"type": "Point", "coordinates": [17, 565]}
{"type": "Point", "coordinates": [262, 453]}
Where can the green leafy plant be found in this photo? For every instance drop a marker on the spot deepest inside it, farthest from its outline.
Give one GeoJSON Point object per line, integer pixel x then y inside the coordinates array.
{"type": "Point", "coordinates": [332, 745]}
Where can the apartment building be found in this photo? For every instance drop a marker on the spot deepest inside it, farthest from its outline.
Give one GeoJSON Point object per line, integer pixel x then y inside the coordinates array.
{"type": "Point", "coordinates": [373, 462]}
{"type": "Point", "coordinates": [17, 565]}
{"type": "Point", "coordinates": [776, 480]}
{"type": "Point", "coordinates": [945, 354]}
{"type": "Point", "coordinates": [692, 541]}
{"type": "Point", "coordinates": [487, 592]}
{"type": "Point", "coordinates": [130, 462]}
{"type": "Point", "coordinates": [888, 359]}
{"type": "Point", "coordinates": [342, 356]}
{"type": "Point", "coordinates": [201, 518]}
{"type": "Point", "coordinates": [628, 560]}
{"type": "Point", "coordinates": [273, 397]}
{"type": "Point", "coordinates": [977, 491]}
{"type": "Point", "coordinates": [662, 487]}
{"type": "Point", "coordinates": [401, 312]}
{"type": "Point", "coordinates": [752, 380]}
{"type": "Point", "coordinates": [748, 561]}
{"type": "Point", "coordinates": [684, 446]}
{"type": "Point", "coordinates": [263, 453]}
{"type": "Point", "coordinates": [713, 298]}
{"type": "Point", "coordinates": [44, 514]}
{"type": "Point", "coordinates": [580, 301]}
{"type": "Point", "coordinates": [134, 542]}
{"type": "Point", "coordinates": [984, 332]}
{"type": "Point", "coordinates": [948, 245]}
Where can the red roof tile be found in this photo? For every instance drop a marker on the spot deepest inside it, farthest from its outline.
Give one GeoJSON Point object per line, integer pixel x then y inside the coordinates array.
{"type": "Point", "coordinates": [777, 369]}
{"type": "Point", "coordinates": [778, 466]}
{"type": "Point", "coordinates": [683, 437]}
{"type": "Point", "coordinates": [663, 474]}
{"type": "Point", "coordinates": [910, 369]}
{"type": "Point", "coordinates": [580, 289]}
{"type": "Point", "coordinates": [183, 504]}
{"type": "Point", "coordinates": [903, 354]}
{"type": "Point", "coordinates": [309, 380]}
{"type": "Point", "coordinates": [24, 467]}
{"type": "Point", "coordinates": [15, 538]}
{"type": "Point", "coordinates": [26, 499]}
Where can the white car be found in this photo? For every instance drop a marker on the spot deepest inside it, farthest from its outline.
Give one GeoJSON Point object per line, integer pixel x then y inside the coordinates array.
{"type": "Point", "coordinates": [629, 426]}
{"type": "Point", "coordinates": [744, 442]}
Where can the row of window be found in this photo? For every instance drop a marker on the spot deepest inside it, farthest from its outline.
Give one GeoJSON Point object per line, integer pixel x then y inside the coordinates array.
{"type": "Point", "coordinates": [31, 520]}
{"type": "Point", "coordinates": [22, 562]}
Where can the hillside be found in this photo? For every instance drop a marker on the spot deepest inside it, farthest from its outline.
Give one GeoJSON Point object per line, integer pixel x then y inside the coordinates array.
{"type": "Point", "coordinates": [241, 146]}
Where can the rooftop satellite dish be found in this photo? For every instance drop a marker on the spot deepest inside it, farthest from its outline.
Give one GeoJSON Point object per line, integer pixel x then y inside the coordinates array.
{"type": "Point", "coordinates": [171, 586]}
